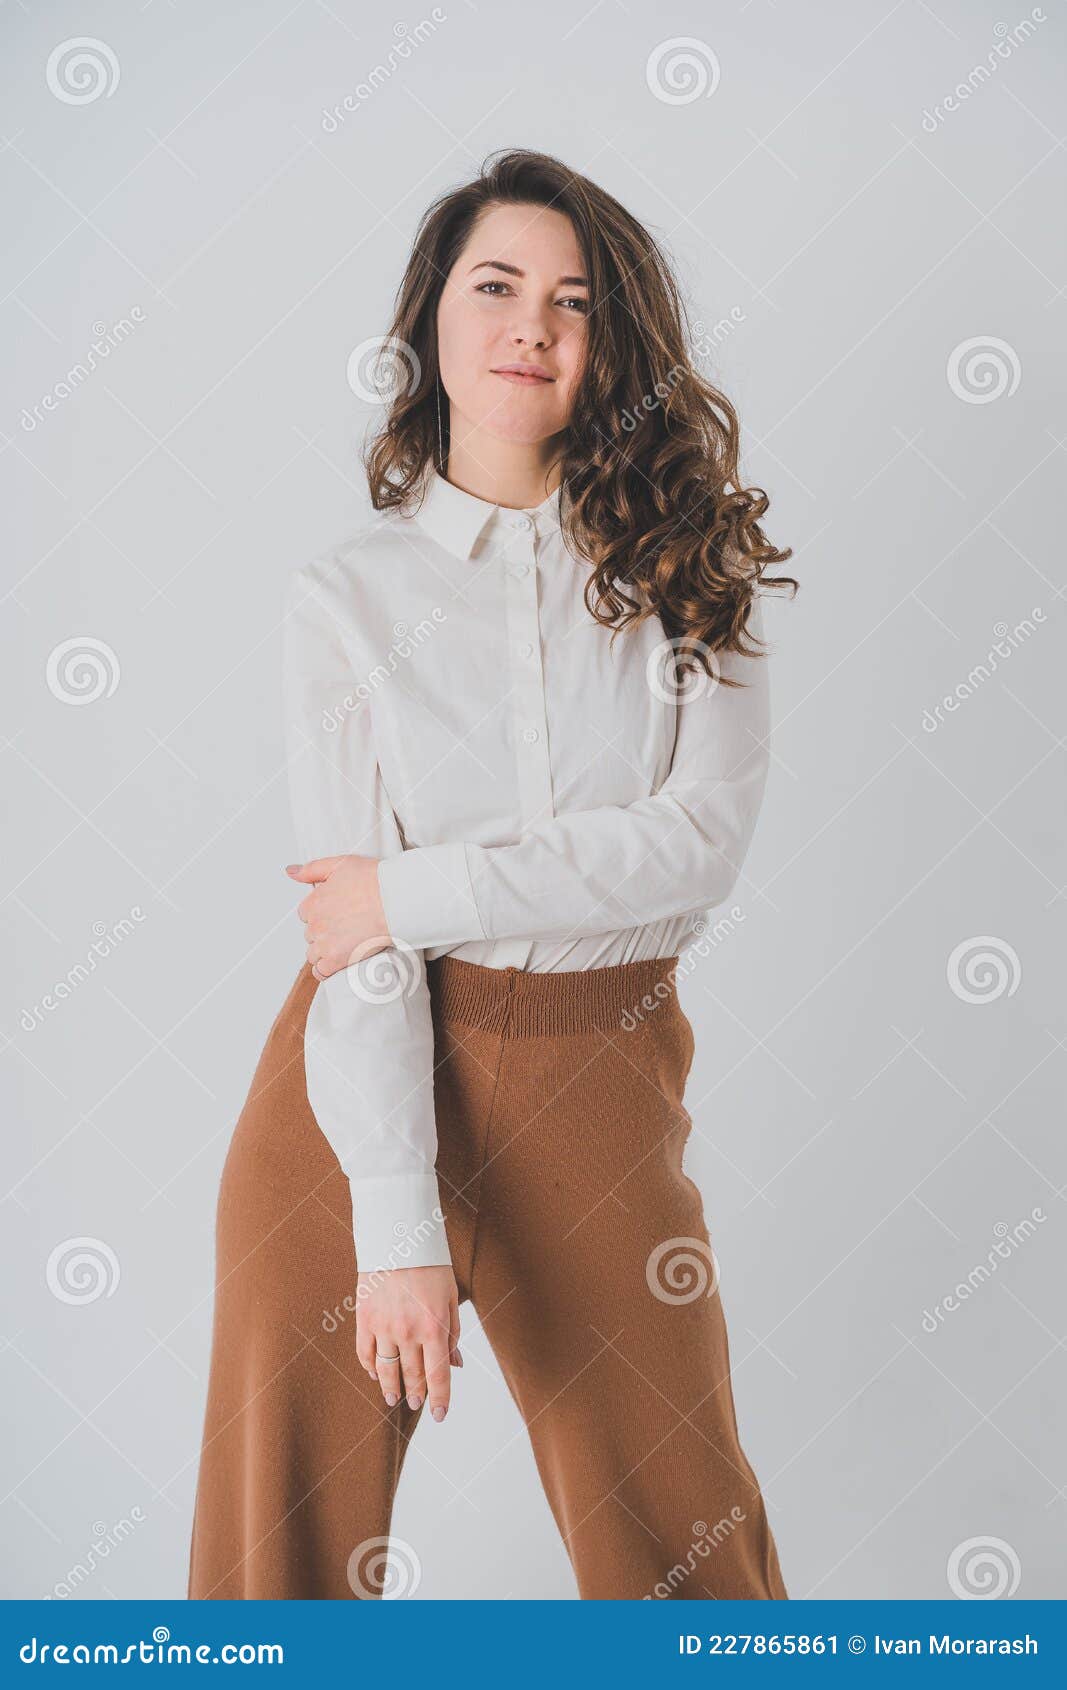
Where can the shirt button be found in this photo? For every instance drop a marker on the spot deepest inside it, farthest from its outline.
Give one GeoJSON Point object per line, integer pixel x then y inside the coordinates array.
{"type": "Point", "coordinates": [520, 569]}
{"type": "Point", "coordinates": [526, 649]}
{"type": "Point", "coordinates": [530, 735]}
{"type": "Point", "coordinates": [520, 521]}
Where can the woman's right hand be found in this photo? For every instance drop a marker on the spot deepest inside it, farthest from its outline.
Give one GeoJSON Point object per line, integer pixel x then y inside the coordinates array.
{"type": "Point", "coordinates": [413, 1315]}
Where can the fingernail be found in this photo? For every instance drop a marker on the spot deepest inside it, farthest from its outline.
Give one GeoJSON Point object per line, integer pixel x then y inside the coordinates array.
{"type": "Point", "coordinates": [438, 1412]}
{"type": "Point", "coordinates": [414, 1402]}
{"type": "Point", "coordinates": [391, 1398]}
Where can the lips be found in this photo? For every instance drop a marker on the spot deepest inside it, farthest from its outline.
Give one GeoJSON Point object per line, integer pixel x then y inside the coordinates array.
{"type": "Point", "coordinates": [522, 377]}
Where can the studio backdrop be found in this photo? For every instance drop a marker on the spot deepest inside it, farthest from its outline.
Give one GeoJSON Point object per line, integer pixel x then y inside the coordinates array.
{"type": "Point", "coordinates": [207, 212]}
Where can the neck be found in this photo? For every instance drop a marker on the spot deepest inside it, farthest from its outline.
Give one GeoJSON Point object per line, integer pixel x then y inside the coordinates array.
{"type": "Point", "coordinates": [504, 472]}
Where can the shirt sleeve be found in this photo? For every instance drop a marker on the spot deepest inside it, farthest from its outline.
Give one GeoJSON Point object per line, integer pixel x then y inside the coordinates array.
{"type": "Point", "coordinates": [368, 1039]}
{"type": "Point", "coordinates": [617, 866]}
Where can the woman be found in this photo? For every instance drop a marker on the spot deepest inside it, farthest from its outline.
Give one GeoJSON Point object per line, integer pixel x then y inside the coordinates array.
{"type": "Point", "coordinates": [527, 738]}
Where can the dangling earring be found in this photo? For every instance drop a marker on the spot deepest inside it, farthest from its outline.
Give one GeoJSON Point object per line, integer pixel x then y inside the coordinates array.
{"type": "Point", "coordinates": [440, 437]}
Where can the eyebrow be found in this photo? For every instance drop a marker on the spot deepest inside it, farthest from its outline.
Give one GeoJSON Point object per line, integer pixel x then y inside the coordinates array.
{"type": "Point", "coordinates": [513, 270]}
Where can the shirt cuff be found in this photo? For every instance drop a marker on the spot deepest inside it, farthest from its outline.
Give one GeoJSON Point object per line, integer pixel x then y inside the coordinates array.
{"type": "Point", "coordinates": [398, 1222]}
{"type": "Point", "coordinates": [428, 897]}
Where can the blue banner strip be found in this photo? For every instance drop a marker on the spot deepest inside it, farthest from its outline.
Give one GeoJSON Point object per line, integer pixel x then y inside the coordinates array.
{"type": "Point", "coordinates": [553, 1643]}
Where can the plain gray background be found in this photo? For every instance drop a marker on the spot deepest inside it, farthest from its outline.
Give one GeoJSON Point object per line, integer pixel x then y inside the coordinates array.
{"type": "Point", "coordinates": [872, 1115]}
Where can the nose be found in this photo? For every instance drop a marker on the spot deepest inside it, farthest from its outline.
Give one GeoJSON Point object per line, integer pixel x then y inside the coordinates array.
{"type": "Point", "coordinates": [530, 326]}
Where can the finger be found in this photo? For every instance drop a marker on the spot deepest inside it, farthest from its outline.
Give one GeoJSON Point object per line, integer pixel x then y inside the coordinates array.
{"type": "Point", "coordinates": [319, 868]}
{"type": "Point", "coordinates": [438, 1377]}
{"type": "Point", "coordinates": [320, 960]}
{"type": "Point", "coordinates": [411, 1366]}
{"type": "Point", "coordinates": [365, 1351]}
{"type": "Point", "coordinates": [388, 1371]}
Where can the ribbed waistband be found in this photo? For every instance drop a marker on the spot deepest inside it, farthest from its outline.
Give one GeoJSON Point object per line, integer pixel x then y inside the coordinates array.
{"type": "Point", "coordinates": [525, 1002]}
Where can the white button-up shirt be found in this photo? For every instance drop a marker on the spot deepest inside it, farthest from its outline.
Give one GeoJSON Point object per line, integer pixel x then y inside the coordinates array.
{"type": "Point", "coordinates": [540, 798]}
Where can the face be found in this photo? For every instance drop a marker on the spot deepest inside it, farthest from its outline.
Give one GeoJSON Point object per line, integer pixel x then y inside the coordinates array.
{"type": "Point", "coordinates": [516, 295]}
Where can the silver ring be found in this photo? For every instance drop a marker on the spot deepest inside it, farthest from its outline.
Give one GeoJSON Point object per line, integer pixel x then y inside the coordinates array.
{"type": "Point", "coordinates": [379, 1357]}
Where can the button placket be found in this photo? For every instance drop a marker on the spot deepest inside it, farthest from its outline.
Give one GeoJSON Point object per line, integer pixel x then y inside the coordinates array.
{"type": "Point", "coordinates": [529, 717]}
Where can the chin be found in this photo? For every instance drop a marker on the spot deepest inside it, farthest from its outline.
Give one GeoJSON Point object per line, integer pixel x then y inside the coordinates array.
{"type": "Point", "coordinates": [524, 436]}
{"type": "Point", "coordinates": [522, 430]}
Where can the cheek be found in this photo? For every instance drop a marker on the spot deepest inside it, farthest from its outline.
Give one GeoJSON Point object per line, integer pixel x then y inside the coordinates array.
{"type": "Point", "coordinates": [563, 395]}
{"type": "Point", "coordinates": [571, 359]}
{"type": "Point", "coordinates": [464, 352]}
{"type": "Point", "coordinates": [473, 392]}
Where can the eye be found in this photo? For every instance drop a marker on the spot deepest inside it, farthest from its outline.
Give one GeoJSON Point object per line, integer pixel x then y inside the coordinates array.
{"type": "Point", "coordinates": [573, 302]}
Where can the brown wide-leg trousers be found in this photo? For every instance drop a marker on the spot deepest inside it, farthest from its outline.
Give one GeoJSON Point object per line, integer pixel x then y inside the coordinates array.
{"type": "Point", "coordinates": [581, 1244]}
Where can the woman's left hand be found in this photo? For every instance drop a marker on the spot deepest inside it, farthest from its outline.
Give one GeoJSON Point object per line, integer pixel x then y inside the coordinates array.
{"type": "Point", "coordinates": [343, 914]}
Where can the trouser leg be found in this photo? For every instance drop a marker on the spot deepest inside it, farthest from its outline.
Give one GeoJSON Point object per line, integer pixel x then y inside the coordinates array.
{"type": "Point", "coordinates": [622, 1375]}
{"type": "Point", "coordinates": [300, 1456]}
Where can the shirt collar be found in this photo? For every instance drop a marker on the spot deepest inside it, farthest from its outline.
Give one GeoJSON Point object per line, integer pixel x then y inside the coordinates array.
{"type": "Point", "coordinates": [457, 519]}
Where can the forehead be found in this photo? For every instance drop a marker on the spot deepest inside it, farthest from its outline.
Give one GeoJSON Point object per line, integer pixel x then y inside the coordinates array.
{"type": "Point", "coordinates": [536, 238]}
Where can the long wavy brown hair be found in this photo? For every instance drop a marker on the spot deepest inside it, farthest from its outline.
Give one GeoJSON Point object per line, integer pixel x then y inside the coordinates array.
{"type": "Point", "coordinates": [650, 455]}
